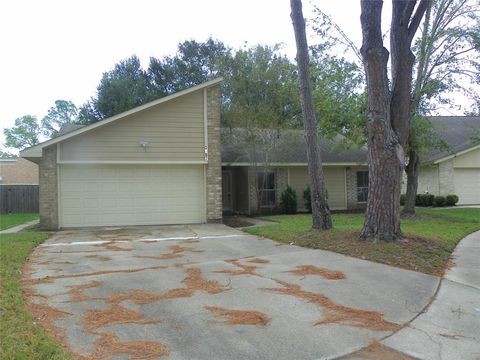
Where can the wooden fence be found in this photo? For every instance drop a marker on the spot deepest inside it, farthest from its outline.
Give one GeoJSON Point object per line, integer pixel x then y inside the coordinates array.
{"type": "Point", "coordinates": [18, 199]}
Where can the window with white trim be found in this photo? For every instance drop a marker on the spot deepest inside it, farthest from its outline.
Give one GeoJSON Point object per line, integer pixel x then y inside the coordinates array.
{"type": "Point", "coordinates": [266, 185]}
{"type": "Point", "coordinates": [362, 186]}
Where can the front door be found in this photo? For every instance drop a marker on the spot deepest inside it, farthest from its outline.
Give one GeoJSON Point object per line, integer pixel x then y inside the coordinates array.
{"type": "Point", "coordinates": [227, 191]}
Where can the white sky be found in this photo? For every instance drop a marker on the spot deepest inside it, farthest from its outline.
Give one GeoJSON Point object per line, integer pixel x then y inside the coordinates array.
{"type": "Point", "coordinates": [54, 49]}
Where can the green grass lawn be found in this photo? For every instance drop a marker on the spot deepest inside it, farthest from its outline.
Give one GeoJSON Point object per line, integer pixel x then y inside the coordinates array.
{"type": "Point", "coordinates": [9, 220]}
{"type": "Point", "coordinates": [429, 239]}
{"type": "Point", "coordinates": [20, 338]}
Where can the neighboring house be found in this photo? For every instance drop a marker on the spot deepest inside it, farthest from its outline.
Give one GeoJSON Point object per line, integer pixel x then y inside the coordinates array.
{"type": "Point", "coordinates": [18, 171]}
{"type": "Point", "coordinates": [457, 169]}
{"type": "Point", "coordinates": [18, 186]}
{"type": "Point", "coordinates": [452, 171]}
{"type": "Point", "coordinates": [156, 164]}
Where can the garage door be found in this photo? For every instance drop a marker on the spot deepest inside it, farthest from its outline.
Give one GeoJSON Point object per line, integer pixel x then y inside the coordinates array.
{"type": "Point", "coordinates": [467, 186]}
{"type": "Point", "coordinates": [106, 195]}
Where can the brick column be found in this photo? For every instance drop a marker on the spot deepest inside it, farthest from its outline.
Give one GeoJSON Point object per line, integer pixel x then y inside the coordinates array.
{"type": "Point", "coordinates": [48, 193]}
{"type": "Point", "coordinates": [214, 166]}
{"type": "Point", "coordinates": [446, 177]}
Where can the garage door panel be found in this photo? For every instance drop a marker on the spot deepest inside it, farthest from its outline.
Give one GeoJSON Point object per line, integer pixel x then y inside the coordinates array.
{"type": "Point", "coordinates": [467, 186]}
{"type": "Point", "coordinates": [109, 195]}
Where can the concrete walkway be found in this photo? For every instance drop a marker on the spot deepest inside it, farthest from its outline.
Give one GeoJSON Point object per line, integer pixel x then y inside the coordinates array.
{"type": "Point", "coordinates": [449, 329]}
{"type": "Point", "coordinates": [18, 228]}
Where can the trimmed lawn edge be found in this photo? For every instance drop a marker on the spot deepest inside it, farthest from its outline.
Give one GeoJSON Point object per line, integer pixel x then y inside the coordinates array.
{"type": "Point", "coordinates": [8, 221]}
{"type": "Point", "coordinates": [21, 335]}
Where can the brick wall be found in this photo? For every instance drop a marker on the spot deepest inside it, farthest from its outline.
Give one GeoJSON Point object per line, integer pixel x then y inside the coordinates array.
{"type": "Point", "coordinates": [18, 172]}
{"type": "Point", "coordinates": [446, 177]}
{"type": "Point", "coordinates": [48, 189]}
{"type": "Point", "coordinates": [214, 166]}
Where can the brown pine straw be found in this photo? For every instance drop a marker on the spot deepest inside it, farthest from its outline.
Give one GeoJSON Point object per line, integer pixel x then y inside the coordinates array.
{"type": "Point", "coordinates": [191, 241]}
{"type": "Point", "coordinates": [335, 313]}
{"type": "Point", "coordinates": [194, 281]}
{"type": "Point", "coordinates": [116, 314]}
{"type": "Point", "coordinates": [259, 261]}
{"type": "Point", "coordinates": [49, 279]}
{"type": "Point", "coordinates": [245, 269]}
{"type": "Point", "coordinates": [76, 291]}
{"type": "Point", "coordinates": [376, 351]}
{"type": "Point", "coordinates": [239, 317]}
{"type": "Point", "coordinates": [111, 245]}
{"type": "Point", "coordinates": [175, 252]}
{"type": "Point", "coordinates": [304, 270]}
{"type": "Point", "coordinates": [109, 345]}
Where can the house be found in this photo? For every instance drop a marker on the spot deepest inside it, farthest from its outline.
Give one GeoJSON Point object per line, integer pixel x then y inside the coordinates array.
{"type": "Point", "coordinates": [18, 171]}
{"type": "Point", "coordinates": [18, 186]}
{"type": "Point", "coordinates": [165, 163]}
{"type": "Point", "coordinates": [455, 170]}
{"type": "Point", "coordinates": [158, 163]}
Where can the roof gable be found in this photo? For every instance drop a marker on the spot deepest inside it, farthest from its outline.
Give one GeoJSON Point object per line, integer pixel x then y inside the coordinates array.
{"type": "Point", "coordinates": [36, 151]}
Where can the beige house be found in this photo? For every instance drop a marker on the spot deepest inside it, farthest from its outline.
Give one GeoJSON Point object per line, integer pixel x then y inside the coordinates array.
{"type": "Point", "coordinates": [18, 171]}
{"type": "Point", "coordinates": [455, 170]}
{"type": "Point", "coordinates": [158, 163]}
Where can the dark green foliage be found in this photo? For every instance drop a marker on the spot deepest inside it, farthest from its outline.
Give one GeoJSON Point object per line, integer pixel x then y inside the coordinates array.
{"type": "Point", "coordinates": [307, 198]}
{"type": "Point", "coordinates": [64, 112]}
{"type": "Point", "coordinates": [24, 134]}
{"type": "Point", "coordinates": [289, 201]}
{"type": "Point", "coordinates": [439, 201]}
{"type": "Point", "coordinates": [402, 199]}
{"type": "Point", "coordinates": [424, 200]}
{"type": "Point", "coordinates": [451, 199]}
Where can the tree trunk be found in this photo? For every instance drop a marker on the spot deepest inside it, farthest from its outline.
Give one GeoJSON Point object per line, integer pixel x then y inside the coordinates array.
{"type": "Point", "coordinates": [388, 122]}
{"type": "Point", "coordinates": [412, 183]}
{"type": "Point", "coordinates": [320, 209]}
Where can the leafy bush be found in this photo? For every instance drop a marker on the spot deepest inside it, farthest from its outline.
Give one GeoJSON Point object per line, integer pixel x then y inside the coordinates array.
{"type": "Point", "coordinates": [439, 201]}
{"type": "Point", "coordinates": [451, 199]}
{"type": "Point", "coordinates": [424, 200]}
{"type": "Point", "coordinates": [289, 201]}
{"type": "Point", "coordinates": [307, 198]}
{"type": "Point", "coordinates": [402, 199]}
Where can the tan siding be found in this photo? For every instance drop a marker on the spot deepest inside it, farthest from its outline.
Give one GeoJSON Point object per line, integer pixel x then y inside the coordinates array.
{"type": "Point", "coordinates": [468, 160]}
{"type": "Point", "coordinates": [335, 182]}
{"type": "Point", "coordinates": [174, 131]}
{"type": "Point", "coordinates": [428, 180]}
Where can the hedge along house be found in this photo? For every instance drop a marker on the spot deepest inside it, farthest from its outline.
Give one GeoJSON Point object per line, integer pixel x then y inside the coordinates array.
{"type": "Point", "coordinates": [158, 163]}
{"type": "Point", "coordinates": [253, 179]}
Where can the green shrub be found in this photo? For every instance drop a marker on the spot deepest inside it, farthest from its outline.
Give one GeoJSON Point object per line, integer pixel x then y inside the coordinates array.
{"type": "Point", "coordinates": [439, 201]}
{"type": "Point", "coordinates": [289, 201]}
{"type": "Point", "coordinates": [402, 199]}
{"type": "Point", "coordinates": [451, 199]}
{"type": "Point", "coordinates": [424, 199]}
{"type": "Point", "coordinates": [307, 198]}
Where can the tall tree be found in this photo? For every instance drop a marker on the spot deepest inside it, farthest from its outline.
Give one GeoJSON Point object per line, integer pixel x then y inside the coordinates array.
{"type": "Point", "coordinates": [388, 122]}
{"type": "Point", "coordinates": [447, 53]}
{"type": "Point", "coordinates": [195, 62]}
{"type": "Point", "coordinates": [64, 112]}
{"type": "Point", "coordinates": [320, 210]}
{"type": "Point", "coordinates": [123, 88]}
{"type": "Point", "coordinates": [24, 134]}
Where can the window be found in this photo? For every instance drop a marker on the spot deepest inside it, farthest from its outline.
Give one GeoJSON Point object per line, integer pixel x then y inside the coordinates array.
{"type": "Point", "coordinates": [362, 186]}
{"type": "Point", "coordinates": [266, 185]}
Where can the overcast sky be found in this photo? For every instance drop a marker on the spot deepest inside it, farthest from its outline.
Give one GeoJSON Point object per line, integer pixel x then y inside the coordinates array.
{"type": "Point", "coordinates": [54, 49]}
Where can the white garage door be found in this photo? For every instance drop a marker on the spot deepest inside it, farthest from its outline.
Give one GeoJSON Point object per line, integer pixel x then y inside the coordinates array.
{"type": "Point", "coordinates": [105, 195]}
{"type": "Point", "coordinates": [467, 186]}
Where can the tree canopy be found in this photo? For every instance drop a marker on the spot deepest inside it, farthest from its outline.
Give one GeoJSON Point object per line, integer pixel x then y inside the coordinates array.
{"type": "Point", "coordinates": [64, 112]}
{"type": "Point", "coordinates": [24, 134]}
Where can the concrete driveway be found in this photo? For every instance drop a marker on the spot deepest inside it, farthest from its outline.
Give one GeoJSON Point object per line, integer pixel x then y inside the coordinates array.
{"type": "Point", "coordinates": [212, 292]}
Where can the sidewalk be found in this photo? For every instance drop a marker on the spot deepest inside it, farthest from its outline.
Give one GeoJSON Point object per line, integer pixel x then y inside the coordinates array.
{"type": "Point", "coordinates": [18, 228]}
{"type": "Point", "coordinates": [449, 329]}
